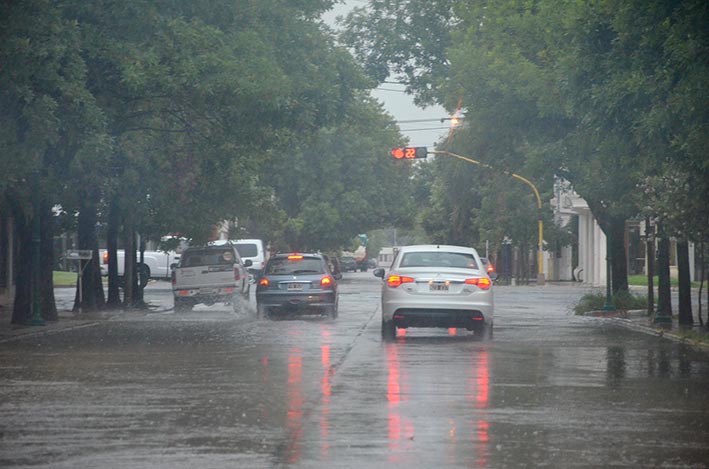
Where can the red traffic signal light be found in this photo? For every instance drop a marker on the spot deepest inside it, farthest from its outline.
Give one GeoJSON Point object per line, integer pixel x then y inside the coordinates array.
{"type": "Point", "coordinates": [409, 153]}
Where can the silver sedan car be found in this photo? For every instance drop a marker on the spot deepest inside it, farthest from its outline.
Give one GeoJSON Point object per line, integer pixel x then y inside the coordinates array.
{"type": "Point", "coordinates": [436, 286]}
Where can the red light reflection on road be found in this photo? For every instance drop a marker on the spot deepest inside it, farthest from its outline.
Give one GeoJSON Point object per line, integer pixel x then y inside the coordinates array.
{"type": "Point", "coordinates": [400, 430]}
{"type": "Point", "coordinates": [295, 404]}
{"type": "Point", "coordinates": [325, 387]}
{"type": "Point", "coordinates": [480, 395]}
{"type": "Point", "coordinates": [481, 385]}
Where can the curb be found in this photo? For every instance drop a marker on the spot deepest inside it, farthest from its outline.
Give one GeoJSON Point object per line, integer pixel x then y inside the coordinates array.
{"type": "Point", "coordinates": [639, 322]}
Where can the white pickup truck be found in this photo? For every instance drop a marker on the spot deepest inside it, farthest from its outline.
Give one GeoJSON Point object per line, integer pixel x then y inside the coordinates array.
{"type": "Point", "coordinates": [156, 264]}
{"type": "Point", "coordinates": [211, 274]}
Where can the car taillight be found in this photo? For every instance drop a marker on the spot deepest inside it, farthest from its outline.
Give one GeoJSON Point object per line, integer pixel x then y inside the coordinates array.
{"type": "Point", "coordinates": [237, 274]}
{"type": "Point", "coordinates": [105, 258]}
{"type": "Point", "coordinates": [326, 281]}
{"type": "Point", "coordinates": [395, 280]}
{"type": "Point", "coordinates": [482, 283]}
{"type": "Point", "coordinates": [264, 282]}
{"type": "Point", "coordinates": [173, 276]}
{"type": "Point", "coordinates": [490, 268]}
{"type": "Point", "coordinates": [295, 257]}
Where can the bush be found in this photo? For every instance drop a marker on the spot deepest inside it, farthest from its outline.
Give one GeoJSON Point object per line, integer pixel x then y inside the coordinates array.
{"type": "Point", "coordinates": [622, 301]}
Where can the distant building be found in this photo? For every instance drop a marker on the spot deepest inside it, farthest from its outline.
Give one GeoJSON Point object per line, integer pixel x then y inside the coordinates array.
{"type": "Point", "coordinates": [585, 260]}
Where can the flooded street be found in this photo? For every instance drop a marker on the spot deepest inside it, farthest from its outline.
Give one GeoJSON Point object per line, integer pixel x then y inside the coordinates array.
{"type": "Point", "coordinates": [212, 388]}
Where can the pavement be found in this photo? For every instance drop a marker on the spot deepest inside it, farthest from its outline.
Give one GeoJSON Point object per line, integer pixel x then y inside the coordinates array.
{"type": "Point", "coordinates": [67, 319]}
{"type": "Point", "coordinates": [637, 320]}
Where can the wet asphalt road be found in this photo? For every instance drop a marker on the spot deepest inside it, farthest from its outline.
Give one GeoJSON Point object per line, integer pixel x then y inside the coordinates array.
{"type": "Point", "coordinates": [212, 388]}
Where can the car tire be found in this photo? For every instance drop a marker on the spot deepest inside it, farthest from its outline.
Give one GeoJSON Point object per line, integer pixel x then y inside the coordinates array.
{"type": "Point", "coordinates": [484, 332]}
{"type": "Point", "coordinates": [262, 311]}
{"type": "Point", "coordinates": [144, 273]}
{"type": "Point", "coordinates": [237, 305]}
{"type": "Point", "coordinates": [388, 330]}
{"type": "Point", "coordinates": [182, 306]}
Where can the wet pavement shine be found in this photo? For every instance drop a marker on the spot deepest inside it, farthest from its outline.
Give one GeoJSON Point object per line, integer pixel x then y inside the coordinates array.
{"type": "Point", "coordinates": [212, 388]}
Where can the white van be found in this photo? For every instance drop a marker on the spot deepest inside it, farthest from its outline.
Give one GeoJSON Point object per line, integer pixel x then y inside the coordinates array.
{"type": "Point", "coordinates": [249, 249]}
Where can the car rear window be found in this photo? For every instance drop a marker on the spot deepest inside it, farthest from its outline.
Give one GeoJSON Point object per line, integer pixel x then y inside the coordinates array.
{"type": "Point", "coordinates": [439, 259]}
{"type": "Point", "coordinates": [247, 249]}
{"type": "Point", "coordinates": [284, 266]}
{"type": "Point", "coordinates": [199, 257]}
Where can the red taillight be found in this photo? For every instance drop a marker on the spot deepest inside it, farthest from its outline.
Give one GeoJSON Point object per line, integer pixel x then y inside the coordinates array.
{"type": "Point", "coordinates": [295, 257]}
{"type": "Point", "coordinates": [326, 281]}
{"type": "Point", "coordinates": [490, 268]}
{"type": "Point", "coordinates": [105, 258]}
{"type": "Point", "coordinates": [264, 282]}
{"type": "Point", "coordinates": [237, 274]}
{"type": "Point", "coordinates": [482, 283]}
{"type": "Point", "coordinates": [395, 280]}
{"type": "Point", "coordinates": [173, 276]}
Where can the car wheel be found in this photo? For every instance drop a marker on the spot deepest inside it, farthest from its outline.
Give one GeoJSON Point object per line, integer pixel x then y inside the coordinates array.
{"type": "Point", "coordinates": [237, 305]}
{"type": "Point", "coordinates": [262, 311]}
{"type": "Point", "coordinates": [182, 306]}
{"type": "Point", "coordinates": [484, 332]}
{"type": "Point", "coordinates": [143, 275]}
{"type": "Point", "coordinates": [388, 330]}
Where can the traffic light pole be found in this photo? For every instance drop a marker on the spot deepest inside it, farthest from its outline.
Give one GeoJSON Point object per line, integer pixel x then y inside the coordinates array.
{"type": "Point", "coordinates": [540, 223]}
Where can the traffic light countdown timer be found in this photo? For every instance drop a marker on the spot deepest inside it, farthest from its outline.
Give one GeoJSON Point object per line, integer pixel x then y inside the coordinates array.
{"type": "Point", "coordinates": [409, 153]}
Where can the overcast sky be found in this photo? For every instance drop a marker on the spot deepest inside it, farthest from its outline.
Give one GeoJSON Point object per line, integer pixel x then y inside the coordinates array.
{"type": "Point", "coordinates": [399, 104]}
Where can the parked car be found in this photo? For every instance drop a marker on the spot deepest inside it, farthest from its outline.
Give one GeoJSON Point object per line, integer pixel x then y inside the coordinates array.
{"type": "Point", "coordinates": [489, 268]}
{"type": "Point", "coordinates": [156, 264]}
{"type": "Point", "coordinates": [208, 275]}
{"type": "Point", "coordinates": [297, 283]}
{"type": "Point", "coordinates": [348, 264]}
{"type": "Point", "coordinates": [436, 286]}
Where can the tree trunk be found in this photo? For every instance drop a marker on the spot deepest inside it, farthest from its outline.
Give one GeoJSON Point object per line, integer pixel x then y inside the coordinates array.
{"type": "Point", "coordinates": [49, 305]}
{"type": "Point", "coordinates": [21, 311]}
{"type": "Point", "coordinates": [619, 258]}
{"type": "Point", "coordinates": [685, 285]}
{"type": "Point", "coordinates": [129, 279]}
{"type": "Point", "coordinates": [114, 292]}
{"type": "Point", "coordinates": [92, 286]}
{"type": "Point", "coordinates": [650, 245]}
{"type": "Point", "coordinates": [664, 290]}
{"type": "Point", "coordinates": [702, 278]}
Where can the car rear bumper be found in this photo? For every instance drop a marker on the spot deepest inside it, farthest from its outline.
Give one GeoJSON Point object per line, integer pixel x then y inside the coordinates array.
{"type": "Point", "coordinates": [413, 317]}
{"type": "Point", "coordinates": [206, 295]}
{"type": "Point", "coordinates": [413, 312]}
{"type": "Point", "coordinates": [297, 301]}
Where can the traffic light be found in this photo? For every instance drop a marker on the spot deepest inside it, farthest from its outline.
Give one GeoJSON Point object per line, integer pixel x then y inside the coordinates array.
{"type": "Point", "coordinates": [409, 153]}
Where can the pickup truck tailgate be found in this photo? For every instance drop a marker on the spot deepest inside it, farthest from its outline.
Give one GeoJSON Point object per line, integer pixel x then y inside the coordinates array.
{"type": "Point", "coordinates": [205, 276]}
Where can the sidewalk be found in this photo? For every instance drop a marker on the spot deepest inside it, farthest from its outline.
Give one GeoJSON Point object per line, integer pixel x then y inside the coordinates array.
{"type": "Point", "coordinates": [638, 320]}
{"type": "Point", "coordinates": [67, 319]}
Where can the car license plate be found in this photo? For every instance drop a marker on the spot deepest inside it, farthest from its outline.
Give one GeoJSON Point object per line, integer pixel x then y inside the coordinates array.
{"type": "Point", "coordinates": [438, 287]}
{"type": "Point", "coordinates": [295, 286]}
{"type": "Point", "coordinates": [207, 291]}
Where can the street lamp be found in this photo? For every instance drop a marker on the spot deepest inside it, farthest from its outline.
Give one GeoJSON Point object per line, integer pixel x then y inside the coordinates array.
{"type": "Point", "coordinates": [540, 223]}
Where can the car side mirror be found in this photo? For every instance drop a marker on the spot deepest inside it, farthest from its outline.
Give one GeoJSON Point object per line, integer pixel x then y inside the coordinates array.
{"type": "Point", "coordinates": [173, 265]}
{"type": "Point", "coordinates": [378, 272]}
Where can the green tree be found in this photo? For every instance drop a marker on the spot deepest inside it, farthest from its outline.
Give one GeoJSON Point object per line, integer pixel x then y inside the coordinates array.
{"type": "Point", "coordinates": [342, 183]}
